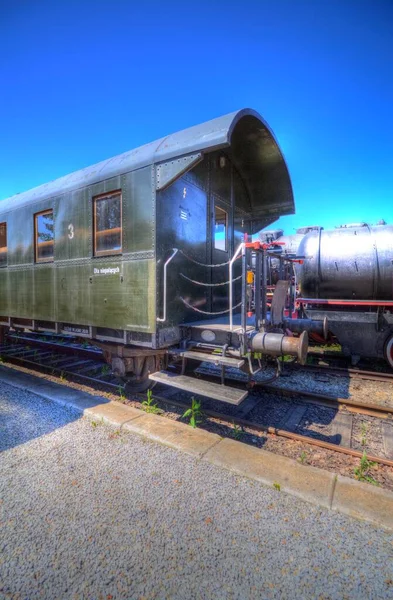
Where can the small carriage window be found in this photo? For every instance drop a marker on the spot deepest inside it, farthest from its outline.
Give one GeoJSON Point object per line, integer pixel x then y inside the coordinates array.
{"type": "Point", "coordinates": [3, 244]}
{"type": "Point", "coordinates": [107, 224]}
{"type": "Point", "coordinates": [44, 236]}
{"type": "Point", "coordinates": [220, 228]}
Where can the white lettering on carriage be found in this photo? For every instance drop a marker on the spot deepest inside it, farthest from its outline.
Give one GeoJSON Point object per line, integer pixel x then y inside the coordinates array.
{"type": "Point", "coordinates": [106, 271]}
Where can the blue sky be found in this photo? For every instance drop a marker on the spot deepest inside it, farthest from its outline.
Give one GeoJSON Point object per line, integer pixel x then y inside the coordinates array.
{"type": "Point", "coordinates": [83, 81]}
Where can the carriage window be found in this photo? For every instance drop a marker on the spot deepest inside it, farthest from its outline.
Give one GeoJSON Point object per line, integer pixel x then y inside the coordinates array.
{"type": "Point", "coordinates": [3, 244]}
{"type": "Point", "coordinates": [44, 236]}
{"type": "Point", "coordinates": [220, 228]}
{"type": "Point", "coordinates": [107, 224]}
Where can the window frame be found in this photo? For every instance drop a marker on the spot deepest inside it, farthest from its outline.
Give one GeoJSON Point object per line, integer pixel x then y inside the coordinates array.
{"type": "Point", "coordinates": [6, 245]}
{"type": "Point", "coordinates": [99, 253]}
{"type": "Point", "coordinates": [36, 244]}
{"type": "Point", "coordinates": [226, 244]}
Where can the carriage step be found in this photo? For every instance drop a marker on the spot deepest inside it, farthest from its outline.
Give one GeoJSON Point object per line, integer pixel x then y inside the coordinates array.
{"type": "Point", "coordinates": [217, 359]}
{"type": "Point", "coordinates": [198, 386]}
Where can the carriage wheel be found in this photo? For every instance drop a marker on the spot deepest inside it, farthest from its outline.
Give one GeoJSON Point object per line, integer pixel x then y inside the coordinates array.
{"type": "Point", "coordinates": [135, 387]}
{"type": "Point", "coordinates": [389, 351]}
{"type": "Point", "coordinates": [134, 373]}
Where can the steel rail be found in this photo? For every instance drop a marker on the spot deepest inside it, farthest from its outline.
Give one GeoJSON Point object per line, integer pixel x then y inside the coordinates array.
{"type": "Point", "coordinates": [67, 348]}
{"type": "Point", "coordinates": [347, 372]}
{"type": "Point", "coordinates": [232, 419]}
{"type": "Point", "coordinates": [366, 408]}
{"type": "Point", "coordinates": [53, 370]}
{"type": "Point", "coordinates": [229, 419]}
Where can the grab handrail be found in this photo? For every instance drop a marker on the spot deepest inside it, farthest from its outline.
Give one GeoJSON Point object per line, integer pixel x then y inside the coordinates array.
{"type": "Point", "coordinates": [175, 251]}
{"type": "Point", "coordinates": [239, 249]}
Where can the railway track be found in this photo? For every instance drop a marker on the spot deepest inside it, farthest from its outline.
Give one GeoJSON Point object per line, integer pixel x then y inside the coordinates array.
{"type": "Point", "coordinates": [351, 372]}
{"type": "Point", "coordinates": [58, 355]}
{"type": "Point", "coordinates": [292, 414]}
{"type": "Point", "coordinates": [346, 370]}
{"type": "Point", "coordinates": [343, 427]}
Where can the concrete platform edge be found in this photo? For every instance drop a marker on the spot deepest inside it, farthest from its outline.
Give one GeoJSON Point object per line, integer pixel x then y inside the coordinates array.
{"type": "Point", "coordinates": [317, 486]}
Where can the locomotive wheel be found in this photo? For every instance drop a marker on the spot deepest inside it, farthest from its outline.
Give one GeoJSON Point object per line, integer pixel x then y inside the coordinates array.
{"type": "Point", "coordinates": [389, 351]}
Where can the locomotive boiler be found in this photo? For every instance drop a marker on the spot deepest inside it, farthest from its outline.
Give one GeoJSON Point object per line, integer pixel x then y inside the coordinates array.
{"type": "Point", "coordinates": [146, 255]}
{"type": "Point", "coordinates": [347, 276]}
{"type": "Point", "coordinates": [284, 246]}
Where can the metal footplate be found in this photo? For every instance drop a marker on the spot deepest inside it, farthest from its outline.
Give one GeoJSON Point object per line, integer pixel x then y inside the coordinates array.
{"type": "Point", "coordinates": [217, 359]}
{"type": "Point", "coordinates": [198, 386]}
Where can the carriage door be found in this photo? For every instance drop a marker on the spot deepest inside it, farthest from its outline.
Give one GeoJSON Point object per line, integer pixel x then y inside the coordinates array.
{"type": "Point", "coordinates": [221, 242]}
{"type": "Point", "coordinates": [221, 252]}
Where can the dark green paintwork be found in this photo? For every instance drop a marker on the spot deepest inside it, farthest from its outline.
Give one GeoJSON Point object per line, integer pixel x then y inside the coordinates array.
{"type": "Point", "coordinates": [68, 290]}
{"type": "Point", "coordinates": [73, 289]}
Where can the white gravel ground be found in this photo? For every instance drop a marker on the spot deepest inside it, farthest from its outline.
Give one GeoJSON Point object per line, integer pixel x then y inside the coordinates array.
{"type": "Point", "coordinates": [89, 513]}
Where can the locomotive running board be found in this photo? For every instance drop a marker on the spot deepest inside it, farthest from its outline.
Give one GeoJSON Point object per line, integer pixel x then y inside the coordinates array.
{"type": "Point", "coordinates": [198, 386]}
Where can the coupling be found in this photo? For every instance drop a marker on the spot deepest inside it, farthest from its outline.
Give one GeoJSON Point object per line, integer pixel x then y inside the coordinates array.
{"type": "Point", "coordinates": [278, 344]}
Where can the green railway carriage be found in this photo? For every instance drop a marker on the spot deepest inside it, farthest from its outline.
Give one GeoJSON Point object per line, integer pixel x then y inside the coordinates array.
{"type": "Point", "coordinates": [126, 252]}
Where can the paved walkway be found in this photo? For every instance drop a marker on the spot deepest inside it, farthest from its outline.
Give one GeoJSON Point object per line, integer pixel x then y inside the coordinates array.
{"type": "Point", "coordinates": [86, 512]}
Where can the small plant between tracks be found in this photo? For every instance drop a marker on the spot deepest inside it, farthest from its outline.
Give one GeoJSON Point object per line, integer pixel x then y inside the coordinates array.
{"type": "Point", "coordinates": [122, 397]}
{"type": "Point", "coordinates": [237, 431]}
{"type": "Point", "coordinates": [302, 457]}
{"type": "Point", "coordinates": [148, 404]}
{"type": "Point", "coordinates": [362, 471]}
{"type": "Point", "coordinates": [194, 413]}
{"type": "Point", "coordinates": [364, 434]}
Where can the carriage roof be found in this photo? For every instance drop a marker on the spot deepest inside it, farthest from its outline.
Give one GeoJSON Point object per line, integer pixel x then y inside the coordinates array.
{"type": "Point", "coordinates": [254, 151]}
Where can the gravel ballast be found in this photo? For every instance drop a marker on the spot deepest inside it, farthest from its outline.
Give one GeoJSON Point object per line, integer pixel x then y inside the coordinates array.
{"type": "Point", "coordinates": [91, 512]}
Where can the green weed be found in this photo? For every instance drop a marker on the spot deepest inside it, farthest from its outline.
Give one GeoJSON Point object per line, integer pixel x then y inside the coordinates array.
{"type": "Point", "coordinates": [277, 486]}
{"type": "Point", "coordinates": [62, 376]}
{"type": "Point", "coordinates": [286, 358]}
{"type": "Point", "coordinates": [364, 434]}
{"type": "Point", "coordinates": [105, 370]}
{"type": "Point", "coordinates": [122, 397]}
{"type": "Point", "coordinates": [194, 413]}
{"type": "Point", "coordinates": [237, 431]}
{"type": "Point", "coordinates": [362, 471]}
{"type": "Point", "coordinates": [330, 347]}
{"type": "Point", "coordinates": [115, 435]}
{"type": "Point", "coordinates": [148, 405]}
{"type": "Point", "coordinates": [302, 457]}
